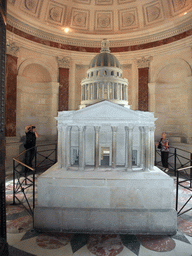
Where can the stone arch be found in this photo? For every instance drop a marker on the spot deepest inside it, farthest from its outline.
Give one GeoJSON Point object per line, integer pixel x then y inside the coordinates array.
{"type": "Point", "coordinates": [44, 69]}
{"type": "Point", "coordinates": [167, 72]}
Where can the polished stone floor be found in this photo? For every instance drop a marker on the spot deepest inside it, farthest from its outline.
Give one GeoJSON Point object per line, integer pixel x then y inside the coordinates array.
{"type": "Point", "coordinates": [24, 241]}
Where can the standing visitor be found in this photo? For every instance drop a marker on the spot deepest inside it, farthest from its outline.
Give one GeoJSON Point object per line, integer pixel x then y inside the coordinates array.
{"type": "Point", "coordinates": [163, 145]}
{"type": "Point", "coordinates": [30, 143]}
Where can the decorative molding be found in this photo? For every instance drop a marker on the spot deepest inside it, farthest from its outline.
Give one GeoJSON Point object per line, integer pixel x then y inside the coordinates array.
{"type": "Point", "coordinates": [153, 12]}
{"type": "Point", "coordinates": [80, 18]}
{"type": "Point", "coordinates": [63, 62]}
{"type": "Point", "coordinates": [125, 1]}
{"type": "Point", "coordinates": [128, 19]}
{"type": "Point", "coordinates": [55, 13]}
{"type": "Point", "coordinates": [104, 20]}
{"type": "Point", "coordinates": [82, 1]}
{"type": "Point", "coordinates": [103, 2]}
{"type": "Point", "coordinates": [144, 62]}
{"type": "Point", "coordinates": [12, 48]}
{"type": "Point", "coordinates": [62, 39]}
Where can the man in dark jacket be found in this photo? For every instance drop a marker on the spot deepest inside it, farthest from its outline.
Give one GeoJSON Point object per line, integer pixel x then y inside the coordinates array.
{"type": "Point", "coordinates": [30, 143]}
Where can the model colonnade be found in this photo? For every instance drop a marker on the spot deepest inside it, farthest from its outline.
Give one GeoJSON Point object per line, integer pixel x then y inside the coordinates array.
{"type": "Point", "coordinates": [146, 145]}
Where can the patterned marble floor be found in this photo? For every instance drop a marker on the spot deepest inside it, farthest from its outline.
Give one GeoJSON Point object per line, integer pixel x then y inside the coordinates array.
{"type": "Point", "coordinates": [24, 241]}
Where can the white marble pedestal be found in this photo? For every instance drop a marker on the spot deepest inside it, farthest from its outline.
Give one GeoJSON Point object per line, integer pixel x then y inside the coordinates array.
{"type": "Point", "coordinates": [134, 202]}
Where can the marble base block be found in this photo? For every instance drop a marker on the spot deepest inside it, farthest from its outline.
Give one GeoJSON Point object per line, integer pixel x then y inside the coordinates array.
{"type": "Point", "coordinates": [134, 202]}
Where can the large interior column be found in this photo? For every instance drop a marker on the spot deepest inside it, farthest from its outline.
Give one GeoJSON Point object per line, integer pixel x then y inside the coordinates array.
{"type": "Point", "coordinates": [3, 246]}
{"type": "Point", "coordinates": [81, 130]}
{"type": "Point", "coordinates": [143, 73]}
{"type": "Point", "coordinates": [128, 147]}
{"type": "Point", "coordinates": [97, 129]}
{"type": "Point", "coordinates": [64, 65]}
{"type": "Point", "coordinates": [11, 90]}
{"type": "Point", "coordinates": [114, 145]}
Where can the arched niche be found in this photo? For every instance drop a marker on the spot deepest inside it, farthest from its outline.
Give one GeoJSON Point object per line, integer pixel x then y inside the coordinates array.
{"type": "Point", "coordinates": [172, 99]}
{"type": "Point", "coordinates": [171, 71]}
{"type": "Point", "coordinates": [36, 73]}
{"type": "Point", "coordinates": [37, 97]}
{"type": "Point", "coordinates": [27, 67]}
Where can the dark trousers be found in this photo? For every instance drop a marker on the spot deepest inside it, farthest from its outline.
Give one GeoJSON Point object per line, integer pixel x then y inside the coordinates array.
{"type": "Point", "coordinates": [29, 155]}
{"type": "Point", "coordinates": [164, 158]}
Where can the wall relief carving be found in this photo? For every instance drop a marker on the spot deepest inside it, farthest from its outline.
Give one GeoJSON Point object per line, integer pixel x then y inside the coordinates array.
{"type": "Point", "coordinates": [179, 6]}
{"type": "Point", "coordinates": [144, 62]}
{"type": "Point", "coordinates": [12, 48]}
{"type": "Point", "coordinates": [56, 12]}
{"type": "Point", "coordinates": [63, 62]}
{"type": "Point", "coordinates": [128, 18]}
{"type": "Point", "coordinates": [103, 20]}
{"type": "Point", "coordinates": [80, 18]}
{"type": "Point", "coordinates": [31, 7]}
{"type": "Point", "coordinates": [153, 12]}
{"type": "Point", "coordinates": [11, 2]}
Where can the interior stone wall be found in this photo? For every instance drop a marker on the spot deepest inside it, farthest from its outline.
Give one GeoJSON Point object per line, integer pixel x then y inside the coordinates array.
{"type": "Point", "coordinates": [81, 73]}
{"type": "Point", "coordinates": [170, 96]}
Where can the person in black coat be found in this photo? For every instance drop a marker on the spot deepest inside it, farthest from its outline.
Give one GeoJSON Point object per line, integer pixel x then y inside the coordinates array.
{"type": "Point", "coordinates": [30, 144]}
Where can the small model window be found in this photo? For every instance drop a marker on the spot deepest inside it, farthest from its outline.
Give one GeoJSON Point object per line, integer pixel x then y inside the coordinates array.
{"type": "Point", "coordinates": [117, 73]}
{"type": "Point", "coordinates": [97, 73]}
{"type": "Point", "coordinates": [91, 73]}
{"type": "Point", "coordinates": [105, 72]}
{"type": "Point", "coordinates": [112, 73]}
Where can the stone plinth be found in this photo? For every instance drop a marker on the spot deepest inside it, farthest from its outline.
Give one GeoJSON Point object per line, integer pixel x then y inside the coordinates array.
{"type": "Point", "coordinates": [105, 201]}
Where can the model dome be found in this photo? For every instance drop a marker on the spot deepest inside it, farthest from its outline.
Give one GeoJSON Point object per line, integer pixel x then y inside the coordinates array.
{"type": "Point", "coordinates": [105, 58]}
{"type": "Point", "coordinates": [104, 80]}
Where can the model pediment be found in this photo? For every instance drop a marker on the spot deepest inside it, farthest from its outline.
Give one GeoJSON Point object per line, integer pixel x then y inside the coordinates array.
{"type": "Point", "coordinates": [107, 111]}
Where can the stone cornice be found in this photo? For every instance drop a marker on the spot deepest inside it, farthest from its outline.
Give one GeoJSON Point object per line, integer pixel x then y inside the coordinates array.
{"type": "Point", "coordinates": [130, 39]}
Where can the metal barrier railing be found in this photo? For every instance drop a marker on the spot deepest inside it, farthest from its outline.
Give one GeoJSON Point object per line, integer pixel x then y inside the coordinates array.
{"type": "Point", "coordinates": [180, 162]}
{"type": "Point", "coordinates": [178, 158]}
{"type": "Point", "coordinates": [24, 175]}
{"type": "Point", "coordinates": [186, 184]}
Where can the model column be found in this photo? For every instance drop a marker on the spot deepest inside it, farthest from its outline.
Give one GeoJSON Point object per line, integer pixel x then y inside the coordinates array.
{"type": "Point", "coordinates": [114, 145]}
{"type": "Point", "coordinates": [142, 146]}
{"type": "Point", "coordinates": [97, 129]}
{"type": "Point", "coordinates": [63, 146]}
{"type": "Point", "coordinates": [128, 147]}
{"type": "Point", "coordinates": [68, 151]}
{"type": "Point", "coordinates": [152, 147]}
{"type": "Point", "coordinates": [81, 130]}
{"type": "Point", "coordinates": [147, 148]}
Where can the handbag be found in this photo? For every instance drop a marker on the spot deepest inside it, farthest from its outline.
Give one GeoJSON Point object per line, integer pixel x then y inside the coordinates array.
{"type": "Point", "coordinates": [159, 146]}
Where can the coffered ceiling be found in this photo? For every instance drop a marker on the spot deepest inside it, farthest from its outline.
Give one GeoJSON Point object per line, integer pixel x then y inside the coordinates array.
{"type": "Point", "coordinates": [95, 19]}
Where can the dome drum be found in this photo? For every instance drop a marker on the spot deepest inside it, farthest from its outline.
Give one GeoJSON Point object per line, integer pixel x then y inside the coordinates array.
{"type": "Point", "coordinates": [94, 92]}
{"type": "Point", "coordinates": [104, 72]}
